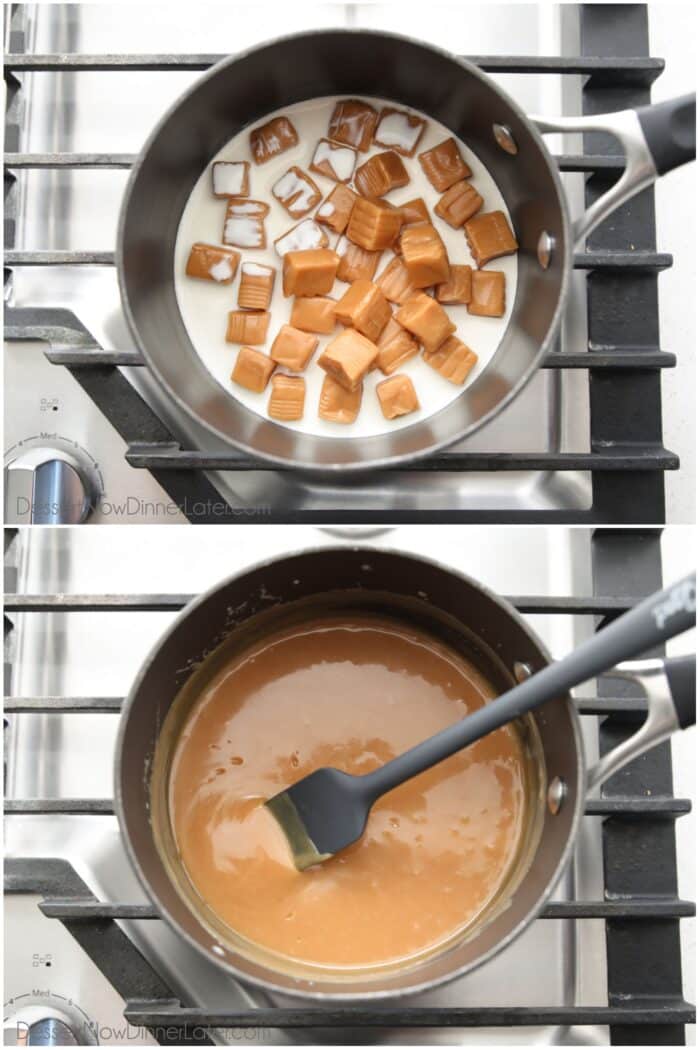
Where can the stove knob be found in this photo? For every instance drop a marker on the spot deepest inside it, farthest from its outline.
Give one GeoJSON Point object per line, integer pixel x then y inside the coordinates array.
{"type": "Point", "coordinates": [47, 485]}
{"type": "Point", "coordinates": [51, 1022]}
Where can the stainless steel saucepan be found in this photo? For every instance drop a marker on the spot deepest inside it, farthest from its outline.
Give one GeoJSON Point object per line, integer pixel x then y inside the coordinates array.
{"type": "Point", "coordinates": [242, 90]}
{"type": "Point", "coordinates": [461, 613]}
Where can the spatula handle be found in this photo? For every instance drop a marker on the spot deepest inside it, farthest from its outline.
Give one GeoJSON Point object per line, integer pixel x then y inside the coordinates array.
{"type": "Point", "coordinates": [653, 621]}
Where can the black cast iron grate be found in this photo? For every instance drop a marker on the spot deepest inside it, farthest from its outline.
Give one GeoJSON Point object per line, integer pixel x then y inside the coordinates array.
{"type": "Point", "coordinates": [640, 903]}
{"type": "Point", "coordinates": [626, 457]}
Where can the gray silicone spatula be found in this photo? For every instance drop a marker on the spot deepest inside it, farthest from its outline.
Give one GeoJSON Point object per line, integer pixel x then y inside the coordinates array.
{"type": "Point", "coordinates": [328, 809]}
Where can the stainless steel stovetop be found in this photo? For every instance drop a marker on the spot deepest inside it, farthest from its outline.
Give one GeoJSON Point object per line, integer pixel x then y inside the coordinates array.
{"type": "Point", "coordinates": [557, 962]}
{"type": "Point", "coordinates": [77, 209]}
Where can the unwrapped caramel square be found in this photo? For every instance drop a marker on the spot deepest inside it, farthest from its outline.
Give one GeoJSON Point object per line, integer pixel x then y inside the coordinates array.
{"type": "Point", "coordinates": [353, 122]}
{"type": "Point", "coordinates": [287, 396]}
{"type": "Point", "coordinates": [335, 160]}
{"type": "Point", "coordinates": [316, 313]}
{"type": "Point", "coordinates": [305, 235]}
{"type": "Point", "coordinates": [373, 225]}
{"type": "Point", "coordinates": [335, 210]}
{"type": "Point", "coordinates": [396, 346]}
{"type": "Point", "coordinates": [453, 360]}
{"type": "Point", "coordinates": [395, 282]}
{"type": "Point", "coordinates": [230, 178]}
{"type": "Point", "coordinates": [247, 326]}
{"type": "Point", "coordinates": [309, 272]}
{"type": "Point", "coordinates": [364, 308]}
{"type": "Point", "coordinates": [348, 358]}
{"type": "Point", "coordinates": [426, 319]}
{"type": "Point", "coordinates": [424, 255]}
{"type": "Point", "coordinates": [397, 396]}
{"type": "Point", "coordinates": [244, 224]}
{"type": "Point", "coordinates": [489, 237]}
{"type": "Point", "coordinates": [292, 348]}
{"type": "Point", "coordinates": [380, 174]}
{"type": "Point", "coordinates": [444, 165]}
{"type": "Point", "coordinates": [272, 138]}
{"type": "Point", "coordinates": [400, 130]}
{"type": "Point", "coordinates": [257, 283]}
{"type": "Point", "coordinates": [488, 293]}
{"type": "Point", "coordinates": [457, 288]}
{"type": "Point", "coordinates": [458, 204]}
{"type": "Point", "coordinates": [414, 211]}
{"type": "Point", "coordinates": [252, 369]}
{"type": "Point", "coordinates": [212, 263]}
{"type": "Point", "coordinates": [338, 405]}
{"type": "Point", "coordinates": [297, 192]}
{"type": "Point", "coordinates": [355, 262]}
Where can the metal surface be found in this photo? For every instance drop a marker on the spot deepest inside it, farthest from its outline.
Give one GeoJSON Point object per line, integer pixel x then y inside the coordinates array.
{"type": "Point", "coordinates": [49, 485]}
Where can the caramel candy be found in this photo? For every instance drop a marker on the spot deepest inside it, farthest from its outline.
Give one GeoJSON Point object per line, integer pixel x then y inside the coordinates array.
{"type": "Point", "coordinates": [230, 178]}
{"type": "Point", "coordinates": [348, 358]}
{"type": "Point", "coordinates": [305, 235]}
{"type": "Point", "coordinates": [338, 405]}
{"type": "Point", "coordinates": [247, 326]}
{"type": "Point", "coordinates": [424, 255]}
{"type": "Point", "coordinates": [381, 173]}
{"type": "Point", "coordinates": [355, 262]}
{"type": "Point", "coordinates": [426, 319]}
{"type": "Point", "coordinates": [457, 288]}
{"type": "Point", "coordinates": [397, 129]}
{"type": "Point", "coordinates": [364, 307]}
{"type": "Point", "coordinates": [255, 289]}
{"type": "Point", "coordinates": [395, 282]}
{"type": "Point", "coordinates": [272, 138]}
{"type": "Point", "coordinates": [396, 345]}
{"type": "Point", "coordinates": [373, 224]}
{"type": "Point", "coordinates": [297, 192]}
{"type": "Point", "coordinates": [353, 123]}
{"type": "Point", "coordinates": [453, 360]}
{"type": "Point", "coordinates": [287, 398]}
{"type": "Point", "coordinates": [414, 211]}
{"type": "Point", "coordinates": [488, 293]}
{"type": "Point", "coordinates": [458, 204]}
{"type": "Point", "coordinates": [444, 165]}
{"type": "Point", "coordinates": [309, 272]}
{"type": "Point", "coordinates": [397, 397]}
{"type": "Point", "coordinates": [314, 314]}
{"type": "Point", "coordinates": [212, 263]}
{"type": "Point", "coordinates": [252, 369]}
{"type": "Point", "coordinates": [334, 160]}
{"type": "Point", "coordinates": [244, 225]}
{"type": "Point", "coordinates": [489, 237]}
{"type": "Point", "coordinates": [335, 210]}
{"type": "Point", "coordinates": [293, 349]}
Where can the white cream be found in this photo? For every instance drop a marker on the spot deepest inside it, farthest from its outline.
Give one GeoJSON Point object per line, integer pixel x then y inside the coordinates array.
{"type": "Point", "coordinates": [340, 158]}
{"type": "Point", "coordinates": [222, 270]}
{"type": "Point", "coordinates": [228, 178]}
{"type": "Point", "coordinates": [294, 193]}
{"type": "Point", "coordinates": [395, 130]}
{"type": "Point", "coordinates": [308, 234]}
{"type": "Point", "coordinates": [256, 270]}
{"type": "Point", "coordinates": [326, 209]}
{"type": "Point", "coordinates": [243, 232]}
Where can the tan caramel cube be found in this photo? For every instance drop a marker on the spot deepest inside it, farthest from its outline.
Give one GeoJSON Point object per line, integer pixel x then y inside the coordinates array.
{"type": "Point", "coordinates": [257, 283]}
{"type": "Point", "coordinates": [287, 396]}
{"type": "Point", "coordinates": [309, 272]}
{"type": "Point", "coordinates": [365, 308]}
{"type": "Point", "coordinates": [400, 130]}
{"type": "Point", "coordinates": [348, 358]}
{"type": "Point", "coordinates": [305, 235]}
{"type": "Point", "coordinates": [297, 192]}
{"type": "Point", "coordinates": [230, 178]}
{"type": "Point", "coordinates": [355, 262]}
{"type": "Point", "coordinates": [353, 123]}
{"type": "Point", "coordinates": [414, 211]}
{"type": "Point", "coordinates": [380, 174]}
{"type": "Point", "coordinates": [338, 405]}
{"type": "Point", "coordinates": [396, 346]}
{"type": "Point", "coordinates": [453, 360]}
{"type": "Point", "coordinates": [489, 237]}
{"type": "Point", "coordinates": [212, 263]}
{"type": "Point", "coordinates": [458, 204]}
{"type": "Point", "coordinates": [488, 293]}
{"type": "Point", "coordinates": [426, 319]}
{"type": "Point", "coordinates": [267, 141]}
{"type": "Point", "coordinates": [395, 282]}
{"type": "Point", "coordinates": [314, 314]}
{"type": "Point", "coordinates": [424, 255]}
{"type": "Point", "coordinates": [335, 210]}
{"type": "Point", "coordinates": [252, 369]}
{"type": "Point", "coordinates": [247, 326]}
{"type": "Point", "coordinates": [397, 397]}
{"type": "Point", "coordinates": [457, 288]}
{"type": "Point", "coordinates": [444, 165]}
{"type": "Point", "coordinates": [373, 225]}
{"type": "Point", "coordinates": [335, 160]}
{"type": "Point", "coordinates": [244, 224]}
{"type": "Point", "coordinates": [292, 348]}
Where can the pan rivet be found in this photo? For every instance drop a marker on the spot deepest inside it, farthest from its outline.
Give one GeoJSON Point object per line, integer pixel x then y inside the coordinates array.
{"type": "Point", "coordinates": [556, 793]}
{"type": "Point", "coordinates": [545, 244]}
{"type": "Point", "coordinates": [504, 137]}
{"type": "Point", "coordinates": [521, 671]}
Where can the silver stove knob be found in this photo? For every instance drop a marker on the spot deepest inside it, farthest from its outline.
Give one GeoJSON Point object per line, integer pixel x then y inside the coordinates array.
{"type": "Point", "coordinates": [49, 485]}
{"type": "Point", "coordinates": [51, 1022]}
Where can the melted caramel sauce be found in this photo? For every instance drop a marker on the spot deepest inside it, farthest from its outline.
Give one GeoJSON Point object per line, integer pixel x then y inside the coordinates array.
{"type": "Point", "coordinates": [351, 693]}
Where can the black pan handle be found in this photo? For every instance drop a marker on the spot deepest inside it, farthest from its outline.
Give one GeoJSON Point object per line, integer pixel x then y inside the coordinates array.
{"type": "Point", "coordinates": [680, 672]}
{"type": "Point", "coordinates": [669, 128]}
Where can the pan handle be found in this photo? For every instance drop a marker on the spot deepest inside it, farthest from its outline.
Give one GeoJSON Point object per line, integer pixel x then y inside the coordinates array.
{"type": "Point", "coordinates": [670, 688]}
{"type": "Point", "coordinates": [655, 139]}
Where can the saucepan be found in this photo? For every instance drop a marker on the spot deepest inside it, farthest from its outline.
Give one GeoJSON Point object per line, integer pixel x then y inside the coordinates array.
{"type": "Point", "coordinates": [242, 90]}
{"type": "Point", "coordinates": [461, 613]}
